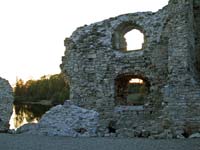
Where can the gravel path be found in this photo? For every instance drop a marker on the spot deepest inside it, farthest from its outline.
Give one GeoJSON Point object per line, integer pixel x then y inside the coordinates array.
{"type": "Point", "coordinates": [30, 142]}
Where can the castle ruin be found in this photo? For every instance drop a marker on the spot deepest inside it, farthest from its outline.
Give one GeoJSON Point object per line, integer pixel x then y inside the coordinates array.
{"type": "Point", "coordinates": [165, 72]}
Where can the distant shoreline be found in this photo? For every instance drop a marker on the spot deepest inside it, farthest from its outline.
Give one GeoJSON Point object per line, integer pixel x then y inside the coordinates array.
{"type": "Point", "coordinates": [41, 102]}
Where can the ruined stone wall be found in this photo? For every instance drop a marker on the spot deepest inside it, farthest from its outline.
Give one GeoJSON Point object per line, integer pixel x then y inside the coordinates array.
{"type": "Point", "coordinates": [196, 10]}
{"type": "Point", "coordinates": [95, 58]}
{"type": "Point", "coordinates": [182, 92]}
{"type": "Point", "coordinates": [6, 101]}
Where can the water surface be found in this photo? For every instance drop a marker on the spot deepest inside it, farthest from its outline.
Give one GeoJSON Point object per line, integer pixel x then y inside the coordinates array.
{"type": "Point", "coordinates": [27, 113]}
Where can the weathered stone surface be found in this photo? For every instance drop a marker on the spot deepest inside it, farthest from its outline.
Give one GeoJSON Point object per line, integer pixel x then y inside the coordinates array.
{"type": "Point", "coordinates": [195, 135]}
{"type": "Point", "coordinates": [65, 120]}
{"type": "Point", "coordinates": [95, 60]}
{"type": "Point", "coordinates": [6, 101]}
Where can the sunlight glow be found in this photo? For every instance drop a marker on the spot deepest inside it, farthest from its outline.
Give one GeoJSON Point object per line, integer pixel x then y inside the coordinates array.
{"type": "Point", "coordinates": [136, 81]}
{"type": "Point", "coordinates": [134, 40]}
{"type": "Point", "coordinates": [12, 124]}
{"type": "Point", "coordinates": [15, 124]}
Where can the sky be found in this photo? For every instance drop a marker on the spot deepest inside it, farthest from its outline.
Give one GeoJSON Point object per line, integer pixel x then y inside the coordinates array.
{"type": "Point", "coordinates": [32, 32]}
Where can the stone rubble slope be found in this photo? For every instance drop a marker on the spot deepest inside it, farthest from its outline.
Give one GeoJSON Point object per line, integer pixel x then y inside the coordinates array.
{"type": "Point", "coordinates": [65, 120]}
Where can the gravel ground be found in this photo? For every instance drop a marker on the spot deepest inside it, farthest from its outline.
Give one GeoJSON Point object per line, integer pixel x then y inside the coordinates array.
{"type": "Point", "coordinates": [30, 142]}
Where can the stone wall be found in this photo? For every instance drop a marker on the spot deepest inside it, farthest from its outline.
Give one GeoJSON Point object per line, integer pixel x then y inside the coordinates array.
{"type": "Point", "coordinates": [6, 101]}
{"type": "Point", "coordinates": [95, 57]}
{"type": "Point", "coordinates": [196, 9]}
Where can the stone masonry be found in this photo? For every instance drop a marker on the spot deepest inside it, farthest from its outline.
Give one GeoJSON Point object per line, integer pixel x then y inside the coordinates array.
{"type": "Point", "coordinates": [6, 101]}
{"type": "Point", "coordinates": [169, 61]}
{"type": "Point", "coordinates": [64, 120]}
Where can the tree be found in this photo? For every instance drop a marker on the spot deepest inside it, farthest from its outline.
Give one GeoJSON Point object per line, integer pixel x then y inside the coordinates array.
{"type": "Point", "coordinates": [19, 90]}
{"type": "Point", "coordinates": [51, 88]}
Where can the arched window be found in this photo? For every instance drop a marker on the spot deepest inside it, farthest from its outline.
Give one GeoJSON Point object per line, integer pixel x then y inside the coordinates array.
{"type": "Point", "coordinates": [134, 40]}
{"type": "Point", "coordinates": [130, 90]}
{"type": "Point", "coordinates": [128, 36]}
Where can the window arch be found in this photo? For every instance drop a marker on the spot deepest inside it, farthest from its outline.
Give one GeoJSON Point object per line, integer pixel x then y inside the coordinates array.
{"type": "Point", "coordinates": [131, 90]}
{"type": "Point", "coordinates": [128, 36]}
{"type": "Point", "coordinates": [134, 40]}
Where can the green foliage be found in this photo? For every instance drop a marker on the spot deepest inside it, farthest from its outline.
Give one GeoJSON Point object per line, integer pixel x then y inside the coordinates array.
{"type": "Point", "coordinates": [19, 90]}
{"type": "Point", "coordinates": [135, 99]}
{"type": "Point", "coordinates": [137, 88]}
{"type": "Point", "coordinates": [136, 94]}
{"type": "Point", "coordinates": [47, 88]}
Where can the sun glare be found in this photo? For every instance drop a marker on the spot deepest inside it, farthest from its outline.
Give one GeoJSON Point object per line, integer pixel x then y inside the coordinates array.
{"type": "Point", "coordinates": [136, 81]}
{"type": "Point", "coordinates": [134, 40]}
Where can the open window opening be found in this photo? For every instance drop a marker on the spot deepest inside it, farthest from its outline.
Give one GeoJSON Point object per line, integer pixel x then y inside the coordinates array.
{"type": "Point", "coordinates": [134, 40]}
{"type": "Point", "coordinates": [128, 37]}
{"type": "Point", "coordinates": [131, 90]}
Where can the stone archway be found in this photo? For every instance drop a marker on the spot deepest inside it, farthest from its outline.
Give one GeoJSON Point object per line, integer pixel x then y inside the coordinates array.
{"type": "Point", "coordinates": [131, 89]}
{"type": "Point", "coordinates": [119, 39]}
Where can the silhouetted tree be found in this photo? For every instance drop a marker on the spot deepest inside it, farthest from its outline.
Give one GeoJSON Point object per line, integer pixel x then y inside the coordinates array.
{"type": "Point", "coordinates": [51, 88]}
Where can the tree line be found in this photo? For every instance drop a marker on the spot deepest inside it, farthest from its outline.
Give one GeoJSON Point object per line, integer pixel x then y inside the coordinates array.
{"type": "Point", "coordinates": [52, 88]}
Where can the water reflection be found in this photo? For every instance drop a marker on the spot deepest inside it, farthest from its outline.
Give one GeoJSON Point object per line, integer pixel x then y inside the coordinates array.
{"type": "Point", "coordinates": [26, 113]}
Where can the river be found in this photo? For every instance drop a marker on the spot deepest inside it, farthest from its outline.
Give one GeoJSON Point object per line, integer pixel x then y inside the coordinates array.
{"type": "Point", "coordinates": [27, 113]}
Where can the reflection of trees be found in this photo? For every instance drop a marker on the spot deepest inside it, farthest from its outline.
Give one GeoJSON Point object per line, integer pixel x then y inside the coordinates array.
{"type": "Point", "coordinates": [28, 113]}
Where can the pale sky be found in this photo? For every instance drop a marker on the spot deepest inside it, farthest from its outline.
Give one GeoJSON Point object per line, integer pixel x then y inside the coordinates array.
{"type": "Point", "coordinates": [32, 31]}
